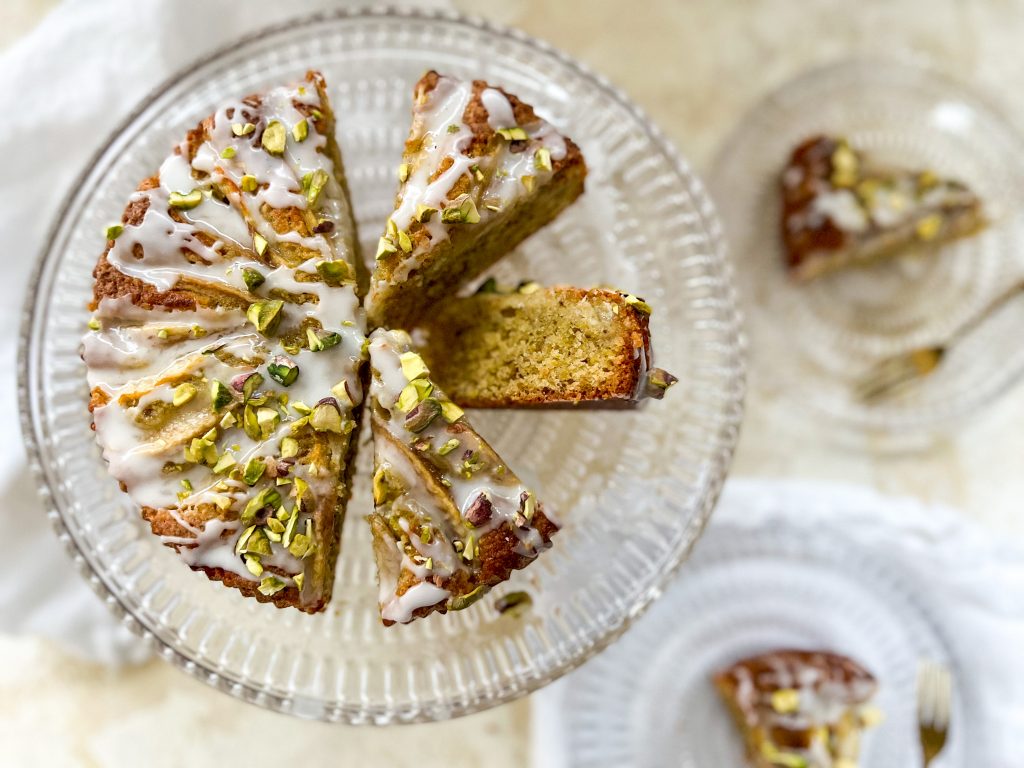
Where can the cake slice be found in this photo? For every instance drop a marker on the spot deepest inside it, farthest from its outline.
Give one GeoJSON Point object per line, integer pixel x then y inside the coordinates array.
{"type": "Point", "coordinates": [226, 353]}
{"type": "Point", "coordinates": [542, 346]}
{"type": "Point", "coordinates": [800, 709]}
{"type": "Point", "coordinates": [450, 518]}
{"type": "Point", "coordinates": [839, 208]}
{"type": "Point", "coordinates": [480, 173]}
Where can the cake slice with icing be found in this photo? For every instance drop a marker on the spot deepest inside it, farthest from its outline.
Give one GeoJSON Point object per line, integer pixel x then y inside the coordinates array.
{"type": "Point", "coordinates": [450, 519]}
{"type": "Point", "coordinates": [226, 353]}
{"type": "Point", "coordinates": [800, 709]}
{"type": "Point", "coordinates": [841, 208]}
{"type": "Point", "coordinates": [481, 172]}
{"type": "Point", "coordinates": [537, 346]}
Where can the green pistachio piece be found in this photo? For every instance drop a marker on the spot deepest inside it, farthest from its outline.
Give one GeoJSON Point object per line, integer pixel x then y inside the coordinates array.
{"type": "Point", "coordinates": [403, 172]}
{"type": "Point", "coordinates": [334, 272]}
{"type": "Point", "coordinates": [300, 130]}
{"type": "Point", "coordinates": [253, 278]}
{"type": "Point", "coordinates": [448, 447]}
{"type": "Point", "coordinates": [301, 545]}
{"type": "Point", "coordinates": [451, 215]}
{"type": "Point", "coordinates": [267, 419]}
{"type": "Point", "coordinates": [404, 241]}
{"type": "Point", "coordinates": [185, 200]}
{"type": "Point", "coordinates": [227, 153]}
{"type": "Point", "coordinates": [413, 366]}
{"type": "Point", "coordinates": [271, 585]}
{"type": "Point", "coordinates": [224, 463]}
{"type": "Point", "coordinates": [326, 417]}
{"type": "Point", "coordinates": [249, 183]}
{"type": "Point", "coordinates": [242, 130]}
{"type": "Point", "coordinates": [275, 137]}
{"type": "Point", "coordinates": [319, 339]}
{"type": "Point", "coordinates": [490, 285]}
{"type": "Point", "coordinates": [424, 212]}
{"type": "Point", "coordinates": [451, 411]}
{"type": "Point", "coordinates": [183, 393]}
{"type": "Point", "coordinates": [289, 447]}
{"type": "Point", "coordinates": [527, 287]}
{"type": "Point", "coordinates": [220, 395]}
{"type": "Point", "coordinates": [421, 416]}
{"type": "Point", "coordinates": [658, 382]}
{"type": "Point", "coordinates": [267, 497]}
{"type": "Point", "coordinates": [638, 304]}
{"type": "Point", "coordinates": [94, 324]}
{"type": "Point", "coordinates": [228, 420]}
{"type": "Point", "coordinates": [514, 603]}
{"type": "Point", "coordinates": [259, 242]}
{"type": "Point", "coordinates": [529, 505]}
{"type": "Point", "coordinates": [253, 565]}
{"type": "Point", "coordinates": [542, 159]}
{"type": "Point", "coordinates": [340, 392]}
{"type": "Point", "coordinates": [265, 315]}
{"type": "Point", "coordinates": [384, 247]}
{"type": "Point", "coordinates": [528, 182]}
{"type": "Point", "coordinates": [513, 134]}
{"type": "Point", "coordinates": [313, 184]}
{"type": "Point", "coordinates": [289, 530]}
{"type": "Point", "coordinates": [254, 471]}
{"type": "Point", "coordinates": [299, 579]}
{"type": "Point", "coordinates": [470, 215]}
{"type": "Point", "coordinates": [113, 231]}
{"type": "Point", "coordinates": [460, 602]}
{"type": "Point", "coordinates": [283, 370]}
{"type": "Point", "coordinates": [275, 525]}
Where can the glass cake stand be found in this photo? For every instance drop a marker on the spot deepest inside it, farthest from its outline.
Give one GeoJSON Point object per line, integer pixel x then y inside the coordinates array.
{"type": "Point", "coordinates": [633, 489]}
{"type": "Point", "coordinates": [812, 343]}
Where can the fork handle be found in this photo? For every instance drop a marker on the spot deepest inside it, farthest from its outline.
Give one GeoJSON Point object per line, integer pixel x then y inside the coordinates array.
{"type": "Point", "coordinates": [1007, 295]}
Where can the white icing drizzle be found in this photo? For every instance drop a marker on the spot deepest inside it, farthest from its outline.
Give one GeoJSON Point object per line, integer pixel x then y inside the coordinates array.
{"type": "Point", "coordinates": [467, 467]}
{"type": "Point", "coordinates": [139, 357]}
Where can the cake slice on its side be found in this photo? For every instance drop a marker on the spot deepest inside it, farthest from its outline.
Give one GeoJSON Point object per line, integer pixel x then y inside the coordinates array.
{"type": "Point", "coordinates": [542, 346]}
{"type": "Point", "coordinates": [226, 354]}
{"type": "Point", "coordinates": [450, 519]}
{"type": "Point", "coordinates": [480, 173]}
{"type": "Point", "coordinates": [839, 210]}
{"type": "Point", "coordinates": [800, 709]}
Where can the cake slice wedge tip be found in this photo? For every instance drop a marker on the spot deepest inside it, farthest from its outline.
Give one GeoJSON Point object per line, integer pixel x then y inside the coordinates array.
{"type": "Point", "coordinates": [480, 173]}
{"type": "Point", "coordinates": [450, 519]}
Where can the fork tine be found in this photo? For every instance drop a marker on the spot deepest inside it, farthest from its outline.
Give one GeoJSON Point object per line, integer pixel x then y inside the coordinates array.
{"type": "Point", "coordinates": [893, 372]}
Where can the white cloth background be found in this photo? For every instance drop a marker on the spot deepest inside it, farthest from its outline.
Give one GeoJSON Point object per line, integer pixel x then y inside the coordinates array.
{"type": "Point", "coordinates": [976, 583]}
{"type": "Point", "coordinates": [67, 85]}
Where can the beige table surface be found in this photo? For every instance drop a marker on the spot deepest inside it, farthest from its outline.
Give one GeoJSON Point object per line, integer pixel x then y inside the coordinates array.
{"type": "Point", "coordinates": [695, 66]}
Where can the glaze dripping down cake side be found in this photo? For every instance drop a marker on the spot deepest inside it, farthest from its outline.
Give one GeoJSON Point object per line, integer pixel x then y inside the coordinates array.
{"type": "Point", "coordinates": [480, 173]}
{"type": "Point", "coordinates": [451, 519]}
{"type": "Point", "coordinates": [226, 353]}
{"type": "Point", "coordinates": [542, 346]}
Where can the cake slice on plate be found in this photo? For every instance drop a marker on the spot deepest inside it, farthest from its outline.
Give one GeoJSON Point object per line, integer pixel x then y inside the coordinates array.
{"type": "Point", "coordinates": [226, 354]}
{"type": "Point", "coordinates": [542, 346]}
{"type": "Point", "coordinates": [800, 709]}
{"type": "Point", "coordinates": [839, 208]}
{"type": "Point", "coordinates": [450, 519]}
{"type": "Point", "coordinates": [481, 172]}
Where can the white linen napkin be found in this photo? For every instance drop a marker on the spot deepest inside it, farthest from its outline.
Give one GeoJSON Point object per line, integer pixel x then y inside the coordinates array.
{"type": "Point", "coordinates": [67, 85]}
{"type": "Point", "coordinates": [976, 583]}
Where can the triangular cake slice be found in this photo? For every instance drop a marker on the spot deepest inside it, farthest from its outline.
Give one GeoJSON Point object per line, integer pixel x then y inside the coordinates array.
{"type": "Point", "coordinates": [226, 352]}
{"type": "Point", "coordinates": [800, 709]}
{"type": "Point", "coordinates": [450, 519]}
{"type": "Point", "coordinates": [840, 208]}
{"type": "Point", "coordinates": [481, 172]}
{"type": "Point", "coordinates": [535, 346]}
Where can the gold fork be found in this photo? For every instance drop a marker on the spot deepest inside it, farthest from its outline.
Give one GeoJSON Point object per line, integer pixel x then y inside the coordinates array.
{"type": "Point", "coordinates": [934, 703]}
{"type": "Point", "coordinates": [894, 373]}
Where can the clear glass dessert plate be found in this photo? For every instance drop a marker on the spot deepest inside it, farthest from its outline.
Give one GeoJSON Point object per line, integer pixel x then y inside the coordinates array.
{"type": "Point", "coordinates": [632, 488]}
{"type": "Point", "coordinates": [811, 343]}
{"type": "Point", "coordinates": [649, 701]}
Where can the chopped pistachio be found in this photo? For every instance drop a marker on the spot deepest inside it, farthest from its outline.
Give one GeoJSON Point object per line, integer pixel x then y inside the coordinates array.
{"type": "Point", "coordinates": [528, 182]}
{"type": "Point", "coordinates": [267, 419]}
{"type": "Point", "coordinates": [470, 215]}
{"type": "Point", "coordinates": [274, 536]}
{"type": "Point", "coordinates": [253, 565]}
{"type": "Point", "coordinates": [224, 463]}
{"type": "Point", "coordinates": [253, 278]}
{"type": "Point", "coordinates": [301, 545]}
{"type": "Point", "coordinates": [313, 184]}
{"type": "Point", "coordinates": [319, 339]}
{"type": "Point", "coordinates": [421, 416]}
{"type": "Point", "coordinates": [243, 539]}
{"type": "Point", "coordinates": [451, 411]}
{"type": "Point", "coordinates": [94, 324]}
{"type": "Point", "coordinates": [265, 315]}
{"type": "Point", "coordinates": [424, 212]}
{"type": "Point", "coordinates": [289, 530]}
{"type": "Point", "coordinates": [658, 382]}
{"type": "Point", "coordinates": [267, 497]}
{"type": "Point", "coordinates": [283, 370]}
{"type": "Point", "coordinates": [185, 200]}
{"type": "Point", "coordinates": [220, 395]}
{"type": "Point", "coordinates": [542, 159]}
{"type": "Point", "coordinates": [413, 366]}
{"type": "Point", "coordinates": [259, 243]}
{"type": "Point", "coordinates": [326, 417]}
{"type": "Point", "coordinates": [426, 534]}
{"type": "Point", "coordinates": [249, 183]}
{"type": "Point", "coordinates": [448, 447]}
{"type": "Point", "coordinates": [514, 603]}
{"type": "Point", "coordinates": [461, 602]}
{"type": "Point", "coordinates": [785, 701]}
{"type": "Point", "coordinates": [477, 173]}
{"type": "Point", "coordinates": [334, 272]}
{"type": "Point", "coordinates": [271, 585]}
{"type": "Point", "coordinates": [638, 304]}
{"type": "Point", "coordinates": [492, 207]}
{"type": "Point", "coordinates": [468, 548]}
{"type": "Point", "coordinates": [299, 579]}
{"type": "Point", "coordinates": [412, 393]}
{"type": "Point", "coordinates": [300, 407]}
{"type": "Point", "coordinates": [384, 247]}
{"type": "Point", "coordinates": [275, 525]}
{"type": "Point", "coordinates": [453, 128]}
{"type": "Point", "coordinates": [513, 134]}
{"type": "Point", "coordinates": [451, 215]}
{"type": "Point", "coordinates": [928, 227]}
{"type": "Point", "coordinates": [242, 130]}
{"type": "Point", "coordinates": [529, 502]}
{"type": "Point", "coordinates": [275, 137]}
{"type": "Point", "coordinates": [162, 333]}
{"type": "Point", "coordinates": [403, 172]}
{"type": "Point", "coordinates": [247, 384]}
{"type": "Point", "coordinates": [340, 392]}
{"type": "Point", "coordinates": [404, 241]}
{"type": "Point", "coordinates": [228, 420]}
{"type": "Point", "coordinates": [227, 153]}
{"type": "Point", "coordinates": [113, 231]}
{"type": "Point", "coordinates": [183, 393]}
{"type": "Point", "coordinates": [844, 166]}
{"type": "Point", "coordinates": [300, 130]}
{"type": "Point", "coordinates": [254, 471]}
{"type": "Point", "coordinates": [289, 447]}
{"type": "Point", "coordinates": [527, 287]}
